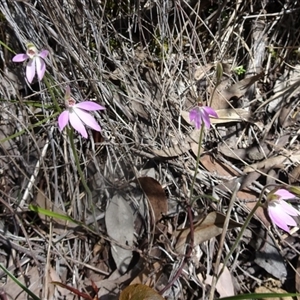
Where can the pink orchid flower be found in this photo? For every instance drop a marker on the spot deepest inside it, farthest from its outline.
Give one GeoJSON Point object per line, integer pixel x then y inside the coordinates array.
{"type": "Point", "coordinates": [79, 115]}
{"type": "Point", "coordinates": [201, 114]}
{"type": "Point", "coordinates": [280, 211]}
{"type": "Point", "coordinates": [36, 62]}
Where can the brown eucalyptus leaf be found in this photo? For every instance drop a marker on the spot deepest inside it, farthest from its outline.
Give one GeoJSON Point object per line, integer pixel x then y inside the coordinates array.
{"type": "Point", "coordinates": [156, 195]}
{"type": "Point", "coordinates": [215, 166]}
{"type": "Point", "coordinates": [222, 94]}
{"type": "Point", "coordinates": [139, 292]}
{"type": "Point", "coordinates": [208, 227]}
{"type": "Point", "coordinates": [195, 148]}
{"type": "Point", "coordinates": [238, 89]}
{"type": "Point", "coordinates": [274, 161]}
{"type": "Point", "coordinates": [228, 115]}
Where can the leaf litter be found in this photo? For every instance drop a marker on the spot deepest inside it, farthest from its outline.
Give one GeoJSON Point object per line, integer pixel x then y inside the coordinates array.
{"type": "Point", "coordinates": [149, 72]}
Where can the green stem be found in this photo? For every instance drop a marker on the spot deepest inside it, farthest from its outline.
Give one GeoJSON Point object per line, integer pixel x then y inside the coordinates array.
{"type": "Point", "coordinates": [57, 107]}
{"type": "Point", "coordinates": [81, 175]}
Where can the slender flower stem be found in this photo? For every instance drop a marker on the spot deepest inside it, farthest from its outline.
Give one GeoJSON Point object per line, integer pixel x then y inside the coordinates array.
{"type": "Point", "coordinates": [190, 216]}
{"type": "Point", "coordinates": [82, 177]}
{"type": "Point", "coordinates": [57, 107]}
{"type": "Point", "coordinates": [197, 163]}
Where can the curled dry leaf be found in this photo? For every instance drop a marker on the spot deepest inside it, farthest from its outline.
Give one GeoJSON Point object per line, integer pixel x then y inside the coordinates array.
{"type": "Point", "coordinates": [156, 195]}
{"type": "Point", "coordinates": [208, 227]}
{"type": "Point", "coordinates": [139, 292]}
{"type": "Point", "coordinates": [119, 221]}
{"type": "Point", "coordinates": [223, 94]}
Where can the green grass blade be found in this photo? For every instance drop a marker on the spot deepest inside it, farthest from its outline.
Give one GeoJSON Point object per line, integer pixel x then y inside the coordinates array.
{"type": "Point", "coordinates": [51, 214]}
{"type": "Point", "coordinates": [260, 296]}
{"type": "Point", "coordinates": [23, 287]}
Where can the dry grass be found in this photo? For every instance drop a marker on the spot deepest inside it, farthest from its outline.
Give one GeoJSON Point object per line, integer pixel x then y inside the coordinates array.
{"type": "Point", "coordinates": [139, 60]}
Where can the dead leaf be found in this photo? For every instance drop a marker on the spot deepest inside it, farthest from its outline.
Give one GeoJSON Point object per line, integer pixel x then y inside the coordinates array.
{"type": "Point", "coordinates": [215, 166]}
{"type": "Point", "coordinates": [229, 115]}
{"type": "Point", "coordinates": [31, 279]}
{"type": "Point", "coordinates": [274, 161]}
{"type": "Point", "coordinates": [259, 213]}
{"type": "Point", "coordinates": [294, 175]}
{"type": "Point", "coordinates": [144, 277]}
{"type": "Point", "coordinates": [60, 290]}
{"type": "Point", "coordinates": [238, 89]}
{"type": "Point", "coordinates": [195, 148]}
{"type": "Point", "coordinates": [219, 101]}
{"type": "Point", "coordinates": [268, 256]}
{"type": "Point", "coordinates": [222, 94]}
{"type": "Point", "coordinates": [202, 71]}
{"type": "Point", "coordinates": [172, 151]}
{"type": "Point", "coordinates": [156, 195]}
{"type": "Point", "coordinates": [73, 290]}
{"type": "Point", "coordinates": [119, 222]}
{"type": "Point", "coordinates": [139, 292]}
{"type": "Point", "coordinates": [208, 227]}
{"type": "Point", "coordinates": [267, 290]}
{"type": "Point", "coordinates": [250, 178]}
{"type": "Point", "coordinates": [247, 195]}
{"type": "Point", "coordinates": [224, 284]}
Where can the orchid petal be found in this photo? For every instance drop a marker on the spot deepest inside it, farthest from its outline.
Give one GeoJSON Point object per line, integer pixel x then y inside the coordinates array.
{"type": "Point", "coordinates": [40, 68]}
{"type": "Point", "coordinates": [196, 117]}
{"type": "Point", "coordinates": [43, 53]}
{"type": "Point", "coordinates": [206, 120]}
{"type": "Point", "coordinates": [63, 119]}
{"type": "Point", "coordinates": [279, 219]}
{"type": "Point", "coordinates": [284, 194]}
{"type": "Point", "coordinates": [20, 57]}
{"type": "Point", "coordinates": [87, 118]}
{"type": "Point", "coordinates": [288, 209]}
{"type": "Point", "coordinates": [77, 124]}
{"type": "Point", "coordinates": [30, 70]}
{"type": "Point", "coordinates": [210, 111]}
{"type": "Point", "coordinates": [89, 106]}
